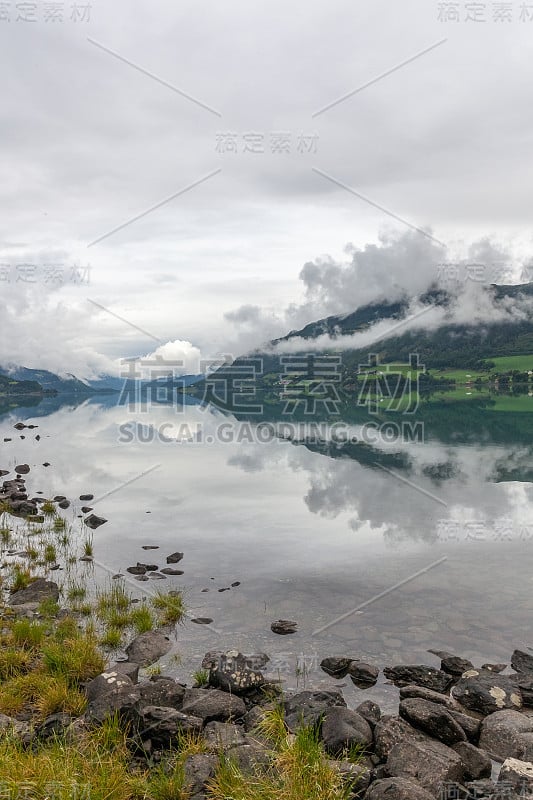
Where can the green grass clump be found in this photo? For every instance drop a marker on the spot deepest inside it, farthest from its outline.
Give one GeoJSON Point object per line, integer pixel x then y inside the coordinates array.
{"type": "Point", "coordinates": [28, 634]}
{"type": "Point", "coordinates": [59, 524]}
{"type": "Point", "coordinates": [50, 554]}
{"type": "Point", "coordinates": [48, 508]}
{"type": "Point", "coordinates": [114, 598]}
{"type": "Point", "coordinates": [300, 770]}
{"type": "Point", "coordinates": [111, 638]}
{"type": "Point", "coordinates": [142, 619]}
{"type": "Point", "coordinates": [48, 607]}
{"type": "Point", "coordinates": [201, 677]}
{"type": "Point", "coordinates": [170, 607]}
{"type": "Point", "coordinates": [21, 578]}
{"type": "Point", "coordinates": [73, 655]}
{"type": "Point", "coordinates": [13, 662]}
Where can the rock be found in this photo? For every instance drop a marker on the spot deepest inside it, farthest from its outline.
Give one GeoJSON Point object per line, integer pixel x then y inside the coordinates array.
{"type": "Point", "coordinates": [420, 675]}
{"type": "Point", "coordinates": [213, 705]}
{"type": "Point", "coordinates": [64, 504]}
{"type": "Point", "coordinates": [284, 627]}
{"type": "Point", "coordinates": [150, 547]}
{"type": "Point", "coordinates": [22, 469]}
{"type": "Point", "coordinates": [355, 775]}
{"type": "Point", "coordinates": [174, 558]}
{"type": "Point", "coordinates": [231, 674]}
{"type": "Point", "coordinates": [307, 708]}
{"type": "Point", "coordinates": [163, 725]}
{"type": "Point", "coordinates": [202, 620]}
{"type": "Point", "coordinates": [336, 666]}
{"type": "Point", "coordinates": [470, 725]}
{"type": "Point", "coordinates": [105, 683]}
{"type": "Point", "coordinates": [148, 647]}
{"type": "Point", "coordinates": [522, 662]}
{"type": "Point", "coordinates": [127, 668]}
{"type": "Point", "coordinates": [122, 701]}
{"type": "Point", "coordinates": [476, 763]}
{"type": "Point", "coordinates": [525, 685]}
{"type": "Point", "coordinates": [53, 726]}
{"type": "Point", "coordinates": [425, 694]}
{"type": "Point", "coordinates": [37, 591]}
{"type": "Point", "coordinates": [507, 734]}
{"type": "Point", "coordinates": [494, 667]}
{"type": "Point", "coordinates": [86, 509]}
{"type": "Point", "coordinates": [86, 497]}
{"type": "Point", "coordinates": [455, 665]}
{"type": "Point", "coordinates": [140, 569]}
{"type": "Point", "coordinates": [223, 736]}
{"type": "Point", "coordinates": [342, 728]}
{"type": "Point", "coordinates": [369, 711]}
{"type": "Point", "coordinates": [93, 522]}
{"type": "Point", "coordinates": [397, 789]}
{"type": "Point", "coordinates": [390, 731]}
{"type": "Point", "coordinates": [251, 757]}
{"type": "Point", "coordinates": [147, 567]}
{"type": "Point", "coordinates": [429, 762]}
{"type": "Point", "coordinates": [170, 571]}
{"type": "Point", "coordinates": [433, 719]}
{"type": "Point", "coordinates": [160, 691]}
{"type": "Point", "coordinates": [19, 426]}
{"type": "Point", "coordinates": [486, 692]}
{"type": "Point", "coordinates": [362, 674]}
{"type": "Point", "coordinates": [517, 773]}
{"type": "Point", "coordinates": [198, 770]}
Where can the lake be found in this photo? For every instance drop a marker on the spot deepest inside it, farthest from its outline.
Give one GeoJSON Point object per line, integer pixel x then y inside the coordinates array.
{"type": "Point", "coordinates": [412, 544]}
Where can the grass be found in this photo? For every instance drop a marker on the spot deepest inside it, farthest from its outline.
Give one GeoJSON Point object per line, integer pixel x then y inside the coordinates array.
{"type": "Point", "coordinates": [111, 638]}
{"type": "Point", "coordinates": [142, 619]}
{"type": "Point", "coordinates": [48, 508]}
{"type": "Point", "coordinates": [299, 770]}
{"type": "Point", "coordinates": [170, 607]}
{"type": "Point", "coordinates": [21, 579]}
{"type": "Point", "coordinates": [201, 677]}
{"type": "Point", "coordinates": [509, 363]}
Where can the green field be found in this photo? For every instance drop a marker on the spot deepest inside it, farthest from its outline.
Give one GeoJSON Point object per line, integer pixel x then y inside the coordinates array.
{"type": "Point", "coordinates": [507, 363]}
{"type": "Point", "coordinates": [460, 376]}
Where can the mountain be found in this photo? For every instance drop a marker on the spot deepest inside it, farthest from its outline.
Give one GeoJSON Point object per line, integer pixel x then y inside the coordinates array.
{"type": "Point", "coordinates": [9, 387]}
{"type": "Point", "coordinates": [50, 382]}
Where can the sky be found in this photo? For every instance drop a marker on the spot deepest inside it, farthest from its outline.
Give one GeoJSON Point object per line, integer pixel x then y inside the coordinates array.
{"type": "Point", "coordinates": [193, 179]}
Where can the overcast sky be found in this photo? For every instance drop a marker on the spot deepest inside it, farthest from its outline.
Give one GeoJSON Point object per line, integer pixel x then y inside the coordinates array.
{"type": "Point", "coordinates": [442, 144]}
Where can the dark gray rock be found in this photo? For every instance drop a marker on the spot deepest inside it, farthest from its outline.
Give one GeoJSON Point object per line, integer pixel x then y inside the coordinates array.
{"type": "Point", "coordinates": [433, 719]}
{"type": "Point", "coordinates": [22, 469]}
{"type": "Point", "coordinates": [487, 692]}
{"type": "Point", "coordinates": [522, 662]}
{"type": "Point", "coordinates": [36, 592]}
{"type": "Point", "coordinates": [342, 728]}
{"type": "Point", "coordinates": [397, 789]}
{"type": "Point", "coordinates": [307, 708]}
{"type": "Point", "coordinates": [223, 735]}
{"type": "Point", "coordinates": [425, 694]}
{"type": "Point", "coordinates": [420, 675]}
{"type": "Point", "coordinates": [140, 569]}
{"type": "Point", "coordinates": [232, 674]}
{"type": "Point", "coordinates": [122, 701]}
{"type": "Point", "coordinates": [455, 665]}
{"type": "Point", "coordinates": [128, 668]}
{"type": "Point", "coordinates": [86, 497]}
{"type": "Point", "coordinates": [362, 674]}
{"type": "Point", "coordinates": [52, 726]}
{"type": "Point", "coordinates": [390, 731]}
{"type": "Point", "coordinates": [283, 627]}
{"type": "Point", "coordinates": [428, 762]}
{"type": "Point", "coordinates": [93, 522]}
{"type": "Point", "coordinates": [507, 734]}
{"type": "Point", "coordinates": [254, 661]}
{"type": "Point", "coordinates": [369, 711]}
{"type": "Point", "coordinates": [469, 724]}
{"type": "Point", "coordinates": [163, 725]}
{"type": "Point", "coordinates": [336, 666]}
{"type": "Point", "coordinates": [105, 683]}
{"type": "Point", "coordinates": [213, 705]}
{"type": "Point", "coordinates": [494, 667]}
{"type": "Point", "coordinates": [174, 558]}
{"type": "Point", "coordinates": [160, 691]}
{"type": "Point", "coordinates": [148, 647]}
{"type": "Point", "coordinates": [476, 762]}
{"type": "Point", "coordinates": [199, 769]}
{"type": "Point", "coordinates": [525, 685]}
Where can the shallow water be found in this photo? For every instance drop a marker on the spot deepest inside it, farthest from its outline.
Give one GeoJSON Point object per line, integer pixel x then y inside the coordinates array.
{"type": "Point", "coordinates": [421, 557]}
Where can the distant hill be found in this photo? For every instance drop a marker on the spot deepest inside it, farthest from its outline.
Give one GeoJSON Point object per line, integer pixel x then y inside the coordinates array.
{"type": "Point", "coordinates": [49, 381]}
{"type": "Point", "coordinates": [9, 387]}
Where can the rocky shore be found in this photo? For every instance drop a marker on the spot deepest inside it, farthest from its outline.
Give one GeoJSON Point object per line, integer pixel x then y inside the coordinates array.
{"type": "Point", "coordinates": [460, 731]}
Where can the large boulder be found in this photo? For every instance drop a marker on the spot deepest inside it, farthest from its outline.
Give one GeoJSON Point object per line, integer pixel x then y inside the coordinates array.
{"type": "Point", "coordinates": [507, 734]}
{"type": "Point", "coordinates": [121, 701]}
{"type": "Point", "coordinates": [105, 683]}
{"type": "Point", "coordinates": [148, 647]}
{"type": "Point", "coordinates": [522, 662]}
{"type": "Point", "coordinates": [213, 705]}
{"type": "Point", "coordinates": [162, 726]}
{"type": "Point", "coordinates": [342, 728]}
{"type": "Point", "coordinates": [420, 675]}
{"type": "Point", "coordinates": [486, 692]}
{"type": "Point", "coordinates": [433, 719]}
{"type": "Point", "coordinates": [231, 673]}
{"type": "Point", "coordinates": [161, 691]}
{"type": "Point", "coordinates": [308, 708]}
{"type": "Point", "coordinates": [519, 774]}
{"type": "Point", "coordinates": [425, 694]}
{"type": "Point", "coordinates": [392, 730]}
{"type": "Point", "coordinates": [336, 666]}
{"type": "Point", "coordinates": [362, 674]}
{"type": "Point", "coordinates": [36, 592]}
{"type": "Point", "coordinates": [476, 762]}
{"type": "Point", "coordinates": [198, 770]}
{"type": "Point", "coordinates": [428, 762]}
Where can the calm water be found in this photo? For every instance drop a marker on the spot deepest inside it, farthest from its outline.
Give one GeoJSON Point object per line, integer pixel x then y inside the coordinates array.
{"type": "Point", "coordinates": [311, 534]}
